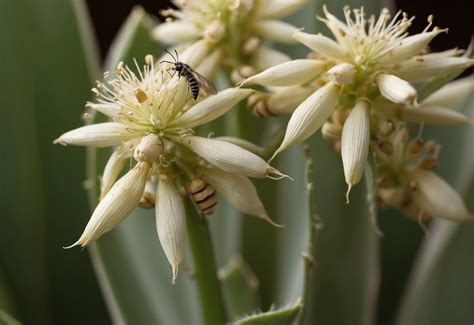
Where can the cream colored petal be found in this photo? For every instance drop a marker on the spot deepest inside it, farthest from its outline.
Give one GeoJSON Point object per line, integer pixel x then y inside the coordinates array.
{"type": "Point", "coordinates": [433, 114]}
{"type": "Point", "coordinates": [428, 66]}
{"type": "Point", "coordinates": [108, 109]}
{"type": "Point", "coordinates": [285, 100]}
{"type": "Point", "coordinates": [238, 190]}
{"type": "Point", "coordinates": [247, 145]}
{"type": "Point", "coordinates": [395, 89]}
{"type": "Point", "coordinates": [338, 28]}
{"type": "Point", "coordinates": [321, 44]}
{"type": "Point", "coordinates": [275, 30]}
{"type": "Point", "coordinates": [196, 53]}
{"type": "Point", "coordinates": [112, 170]}
{"type": "Point", "coordinates": [355, 143]}
{"type": "Point", "coordinates": [211, 108]}
{"type": "Point", "coordinates": [210, 65]}
{"type": "Point", "coordinates": [177, 31]}
{"type": "Point", "coordinates": [170, 222]}
{"type": "Point", "coordinates": [279, 8]}
{"type": "Point", "coordinates": [288, 73]}
{"type": "Point", "coordinates": [438, 198]}
{"type": "Point", "coordinates": [452, 95]}
{"type": "Point", "coordinates": [99, 135]}
{"type": "Point", "coordinates": [265, 57]}
{"type": "Point", "coordinates": [310, 115]}
{"type": "Point", "coordinates": [117, 204]}
{"type": "Point", "coordinates": [230, 158]}
{"type": "Point", "coordinates": [408, 47]}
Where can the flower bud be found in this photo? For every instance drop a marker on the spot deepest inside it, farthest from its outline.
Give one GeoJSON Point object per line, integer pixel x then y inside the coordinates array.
{"type": "Point", "coordinates": [214, 31]}
{"type": "Point", "coordinates": [251, 45]}
{"type": "Point", "coordinates": [342, 74]}
{"type": "Point", "coordinates": [241, 73]}
{"type": "Point", "coordinates": [395, 89]}
{"type": "Point", "coordinates": [257, 104]}
{"type": "Point", "coordinates": [149, 148]}
{"type": "Point", "coordinates": [331, 131]}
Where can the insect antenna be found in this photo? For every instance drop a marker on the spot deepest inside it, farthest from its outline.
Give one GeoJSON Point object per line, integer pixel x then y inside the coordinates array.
{"type": "Point", "coordinates": [177, 58]}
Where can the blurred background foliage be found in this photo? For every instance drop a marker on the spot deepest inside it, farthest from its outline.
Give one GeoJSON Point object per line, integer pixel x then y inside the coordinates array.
{"type": "Point", "coordinates": [51, 51]}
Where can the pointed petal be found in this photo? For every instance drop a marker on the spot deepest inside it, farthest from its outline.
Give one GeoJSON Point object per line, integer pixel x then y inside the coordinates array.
{"type": "Point", "coordinates": [430, 66]}
{"type": "Point", "coordinates": [310, 115]}
{"type": "Point", "coordinates": [170, 222]}
{"type": "Point", "coordinates": [279, 8]}
{"type": "Point", "coordinates": [408, 47]}
{"type": "Point", "coordinates": [321, 44]}
{"type": "Point", "coordinates": [238, 190]}
{"type": "Point", "coordinates": [108, 109]}
{"type": "Point", "coordinates": [211, 108]}
{"type": "Point", "coordinates": [275, 30]}
{"type": "Point", "coordinates": [395, 89]}
{"type": "Point", "coordinates": [438, 198]}
{"type": "Point", "coordinates": [288, 73]}
{"type": "Point", "coordinates": [177, 31]}
{"type": "Point", "coordinates": [265, 57]}
{"type": "Point", "coordinates": [99, 135]}
{"type": "Point", "coordinates": [452, 95]}
{"type": "Point", "coordinates": [117, 204]}
{"type": "Point", "coordinates": [195, 54]}
{"type": "Point", "coordinates": [230, 158]}
{"type": "Point", "coordinates": [355, 142]}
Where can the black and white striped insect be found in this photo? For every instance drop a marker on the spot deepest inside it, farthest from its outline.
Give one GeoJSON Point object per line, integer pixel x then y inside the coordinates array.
{"type": "Point", "coordinates": [194, 79]}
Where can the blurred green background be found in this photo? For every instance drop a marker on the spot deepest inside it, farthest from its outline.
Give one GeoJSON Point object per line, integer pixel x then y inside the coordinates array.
{"type": "Point", "coordinates": [50, 53]}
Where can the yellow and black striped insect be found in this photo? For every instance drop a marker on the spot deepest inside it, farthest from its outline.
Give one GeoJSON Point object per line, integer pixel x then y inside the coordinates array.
{"type": "Point", "coordinates": [194, 79]}
{"type": "Point", "coordinates": [204, 195]}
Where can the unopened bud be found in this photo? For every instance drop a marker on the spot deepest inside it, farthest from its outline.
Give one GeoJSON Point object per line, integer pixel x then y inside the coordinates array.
{"type": "Point", "coordinates": [385, 147]}
{"type": "Point", "coordinates": [416, 145]}
{"type": "Point", "coordinates": [342, 74]}
{"type": "Point", "coordinates": [149, 148]}
{"type": "Point", "coordinates": [240, 74]}
{"type": "Point", "coordinates": [395, 89]}
{"type": "Point", "coordinates": [215, 31]}
{"type": "Point", "coordinates": [147, 201]}
{"type": "Point", "coordinates": [257, 104]}
{"type": "Point", "coordinates": [392, 197]}
{"type": "Point", "coordinates": [251, 45]}
{"type": "Point", "coordinates": [385, 127]}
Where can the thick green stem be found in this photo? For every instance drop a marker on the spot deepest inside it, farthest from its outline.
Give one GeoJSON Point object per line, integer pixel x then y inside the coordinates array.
{"type": "Point", "coordinates": [209, 288]}
{"type": "Point", "coordinates": [312, 227]}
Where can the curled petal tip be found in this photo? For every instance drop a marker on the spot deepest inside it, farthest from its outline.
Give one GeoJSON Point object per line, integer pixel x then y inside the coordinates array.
{"type": "Point", "coordinates": [275, 174]}
{"type": "Point", "coordinates": [175, 273]}
{"type": "Point", "coordinates": [79, 242]}
{"type": "Point", "coordinates": [349, 187]}
{"type": "Point", "coordinates": [270, 221]}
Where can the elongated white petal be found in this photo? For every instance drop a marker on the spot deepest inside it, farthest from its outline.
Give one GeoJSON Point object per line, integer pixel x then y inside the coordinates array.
{"type": "Point", "coordinates": [289, 73]}
{"type": "Point", "coordinates": [108, 109]}
{"type": "Point", "coordinates": [339, 29]}
{"type": "Point", "coordinates": [433, 114]}
{"type": "Point", "coordinates": [170, 222]}
{"type": "Point", "coordinates": [429, 66]}
{"type": "Point", "coordinates": [279, 8]}
{"type": "Point", "coordinates": [321, 44]}
{"type": "Point", "coordinates": [285, 100]}
{"type": "Point", "coordinates": [452, 95]}
{"type": "Point", "coordinates": [112, 169]}
{"type": "Point", "coordinates": [395, 89]}
{"type": "Point", "coordinates": [238, 190]}
{"type": "Point", "coordinates": [209, 66]}
{"type": "Point", "coordinates": [438, 198]}
{"type": "Point", "coordinates": [275, 30]}
{"type": "Point", "coordinates": [247, 145]}
{"type": "Point", "coordinates": [117, 204]}
{"type": "Point", "coordinates": [408, 47]}
{"type": "Point", "coordinates": [196, 53]}
{"type": "Point", "coordinates": [265, 57]}
{"type": "Point", "coordinates": [230, 158]}
{"type": "Point", "coordinates": [99, 135]}
{"type": "Point", "coordinates": [310, 115]}
{"type": "Point", "coordinates": [177, 31]}
{"type": "Point", "coordinates": [211, 108]}
{"type": "Point", "coordinates": [355, 143]}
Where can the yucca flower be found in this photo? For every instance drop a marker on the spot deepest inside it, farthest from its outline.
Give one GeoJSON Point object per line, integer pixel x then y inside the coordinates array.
{"type": "Point", "coordinates": [151, 123]}
{"type": "Point", "coordinates": [236, 30]}
{"type": "Point", "coordinates": [367, 67]}
{"type": "Point", "coordinates": [406, 179]}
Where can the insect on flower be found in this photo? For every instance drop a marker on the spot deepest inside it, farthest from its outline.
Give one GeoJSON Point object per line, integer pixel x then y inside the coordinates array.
{"type": "Point", "coordinates": [194, 79]}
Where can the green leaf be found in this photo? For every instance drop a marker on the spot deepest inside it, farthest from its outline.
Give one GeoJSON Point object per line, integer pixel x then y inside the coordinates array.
{"type": "Point", "coordinates": [240, 286]}
{"type": "Point", "coordinates": [6, 319]}
{"type": "Point", "coordinates": [438, 290]}
{"type": "Point", "coordinates": [346, 257]}
{"type": "Point", "coordinates": [282, 316]}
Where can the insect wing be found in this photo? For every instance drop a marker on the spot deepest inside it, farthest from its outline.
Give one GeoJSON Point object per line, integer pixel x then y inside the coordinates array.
{"type": "Point", "coordinates": [204, 84]}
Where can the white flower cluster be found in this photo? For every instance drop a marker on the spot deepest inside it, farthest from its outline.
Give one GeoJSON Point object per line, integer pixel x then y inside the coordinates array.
{"type": "Point", "coordinates": [151, 123]}
{"type": "Point", "coordinates": [350, 84]}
